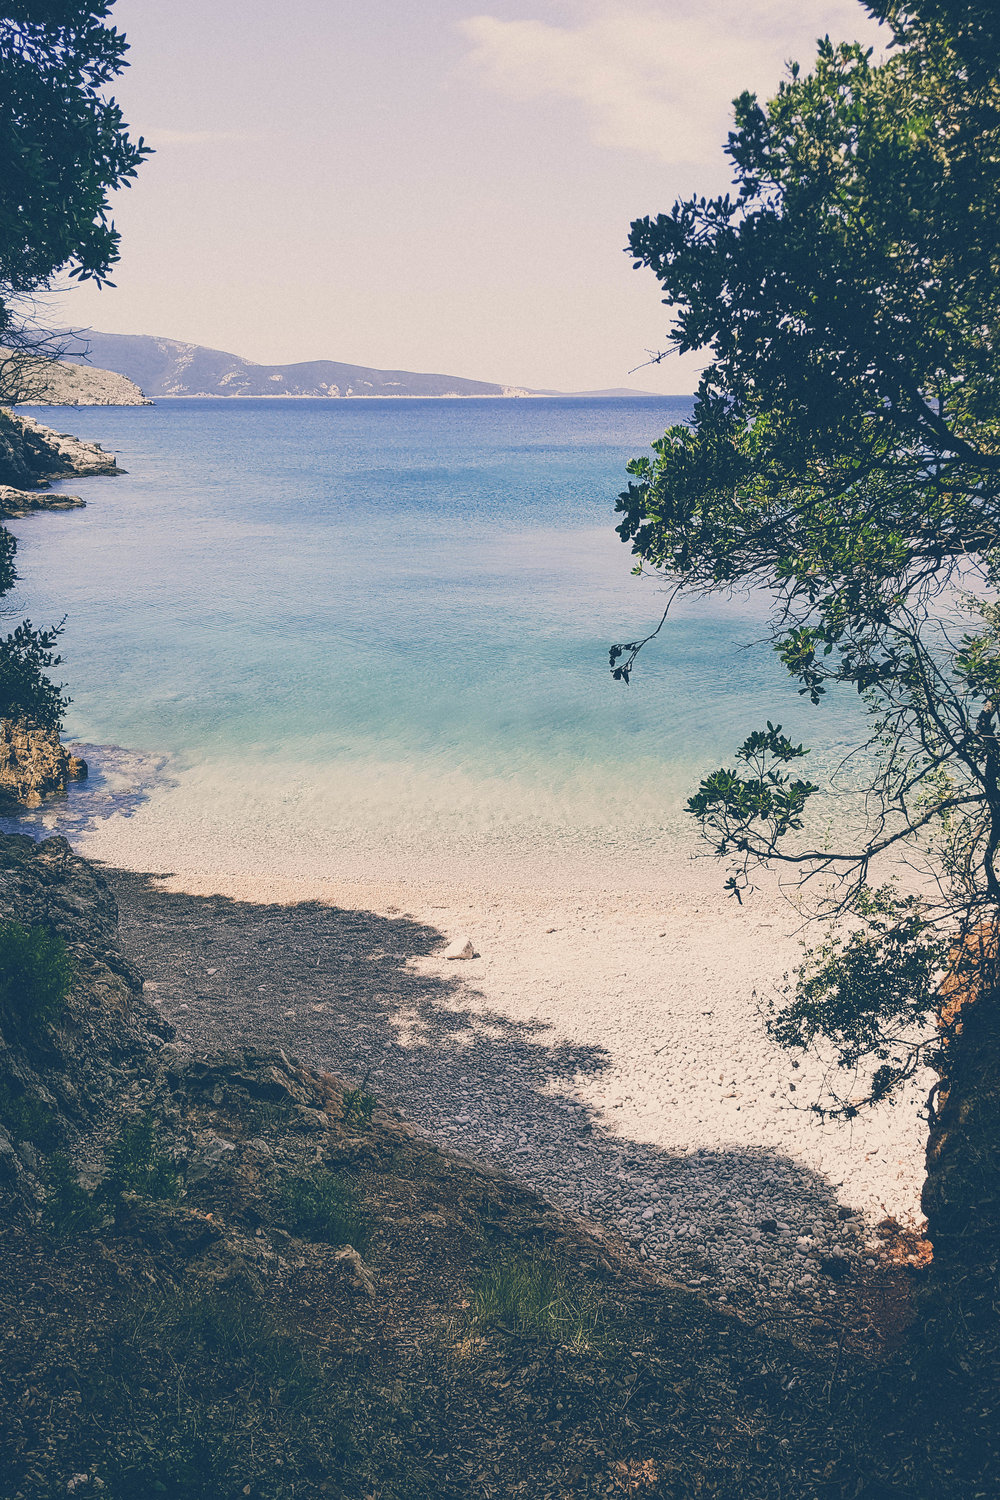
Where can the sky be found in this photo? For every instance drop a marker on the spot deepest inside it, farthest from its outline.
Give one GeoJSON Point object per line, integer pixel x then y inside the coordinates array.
{"type": "Point", "coordinates": [442, 186]}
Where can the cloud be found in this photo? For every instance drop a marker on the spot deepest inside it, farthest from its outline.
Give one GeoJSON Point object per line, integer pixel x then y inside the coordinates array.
{"type": "Point", "coordinates": [657, 80]}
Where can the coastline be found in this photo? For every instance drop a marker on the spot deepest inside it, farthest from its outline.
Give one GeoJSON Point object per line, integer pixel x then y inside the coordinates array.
{"type": "Point", "coordinates": [629, 958]}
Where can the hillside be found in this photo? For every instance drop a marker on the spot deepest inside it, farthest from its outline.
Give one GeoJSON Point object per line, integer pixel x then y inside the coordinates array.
{"type": "Point", "coordinates": [50, 382]}
{"type": "Point", "coordinates": [166, 367]}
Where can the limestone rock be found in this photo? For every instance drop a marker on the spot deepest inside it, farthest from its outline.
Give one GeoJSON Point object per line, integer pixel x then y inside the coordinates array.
{"type": "Point", "coordinates": [355, 1268]}
{"type": "Point", "coordinates": [33, 762]}
{"type": "Point", "coordinates": [31, 455]}
{"type": "Point", "coordinates": [460, 948]}
{"type": "Point", "coordinates": [16, 503]}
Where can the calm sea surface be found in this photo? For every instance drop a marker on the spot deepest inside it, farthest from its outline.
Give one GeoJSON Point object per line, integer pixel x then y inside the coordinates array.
{"type": "Point", "coordinates": [352, 633]}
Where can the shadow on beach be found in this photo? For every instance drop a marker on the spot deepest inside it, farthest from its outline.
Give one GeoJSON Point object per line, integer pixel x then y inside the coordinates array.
{"type": "Point", "coordinates": [336, 987]}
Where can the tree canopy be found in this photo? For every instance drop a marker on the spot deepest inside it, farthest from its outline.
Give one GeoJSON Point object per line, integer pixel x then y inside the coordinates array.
{"type": "Point", "coordinates": [64, 147]}
{"type": "Point", "coordinates": [844, 456]}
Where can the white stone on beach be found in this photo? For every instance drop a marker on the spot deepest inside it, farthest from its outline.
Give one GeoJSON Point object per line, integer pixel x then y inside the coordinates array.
{"type": "Point", "coordinates": [461, 947]}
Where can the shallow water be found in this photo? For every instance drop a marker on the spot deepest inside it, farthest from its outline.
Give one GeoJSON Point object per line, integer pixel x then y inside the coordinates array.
{"type": "Point", "coordinates": [377, 631]}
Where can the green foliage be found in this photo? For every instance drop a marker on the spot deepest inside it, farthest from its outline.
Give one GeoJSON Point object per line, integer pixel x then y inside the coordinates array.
{"type": "Point", "coordinates": [359, 1106]}
{"type": "Point", "coordinates": [63, 143]}
{"type": "Point", "coordinates": [69, 1208]}
{"type": "Point", "coordinates": [765, 804]}
{"type": "Point", "coordinates": [35, 977]}
{"type": "Point", "coordinates": [26, 1118]}
{"type": "Point", "coordinates": [25, 690]}
{"type": "Point", "coordinates": [325, 1207]}
{"type": "Point", "coordinates": [8, 550]}
{"type": "Point", "coordinates": [865, 989]}
{"type": "Point", "coordinates": [532, 1297]}
{"type": "Point", "coordinates": [844, 458]}
{"type": "Point", "coordinates": [136, 1165]}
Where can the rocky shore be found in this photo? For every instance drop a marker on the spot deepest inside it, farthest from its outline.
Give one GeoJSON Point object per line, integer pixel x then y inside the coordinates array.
{"type": "Point", "coordinates": [32, 455]}
{"type": "Point", "coordinates": [34, 762]}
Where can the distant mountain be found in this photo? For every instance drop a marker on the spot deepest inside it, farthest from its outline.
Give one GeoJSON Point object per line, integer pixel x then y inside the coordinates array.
{"type": "Point", "coordinates": [615, 390]}
{"type": "Point", "coordinates": [165, 367]}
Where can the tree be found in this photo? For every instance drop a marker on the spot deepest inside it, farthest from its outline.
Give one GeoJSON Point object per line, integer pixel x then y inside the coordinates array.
{"type": "Point", "coordinates": [844, 457]}
{"type": "Point", "coordinates": [64, 147]}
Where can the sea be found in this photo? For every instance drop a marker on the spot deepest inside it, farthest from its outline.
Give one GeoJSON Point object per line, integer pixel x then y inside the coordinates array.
{"type": "Point", "coordinates": [368, 639]}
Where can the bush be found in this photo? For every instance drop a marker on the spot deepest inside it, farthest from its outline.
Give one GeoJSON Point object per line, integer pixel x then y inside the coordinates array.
{"type": "Point", "coordinates": [531, 1296]}
{"type": "Point", "coordinates": [35, 976]}
{"type": "Point", "coordinates": [69, 1208]}
{"type": "Point", "coordinates": [322, 1206]}
{"type": "Point", "coordinates": [28, 1119]}
{"type": "Point", "coordinates": [25, 690]}
{"type": "Point", "coordinates": [137, 1166]}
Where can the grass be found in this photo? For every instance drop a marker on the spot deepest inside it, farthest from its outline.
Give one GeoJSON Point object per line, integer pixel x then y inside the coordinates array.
{"type": "Point", "coordinates": [35, 977]}
{"type": "Point", "coordinates": [531, 1296]}
{"type": "Point", "coordinates": [135, 1165]}
{"type": "Point", "coordinates": [199, 1392]}
{"type": "Point", "coordinates": [322, 1206]}
{"type": "Point", "coordinates": [69, 1208]}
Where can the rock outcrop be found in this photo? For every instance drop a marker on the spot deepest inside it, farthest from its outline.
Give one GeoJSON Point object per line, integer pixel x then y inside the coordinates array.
{"type": "Point", "coordinates": [31, 455]}
{"type": "Point", "coordinates": [17, 503]}
{"type": "Point", "coordinates": [961, 1196]}
{"type": "Point", "coordinates": [34, 762]}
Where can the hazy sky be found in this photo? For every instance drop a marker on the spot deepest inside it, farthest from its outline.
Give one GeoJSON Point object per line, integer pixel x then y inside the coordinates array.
{"type": "Point", "coordinates": [436, 186]}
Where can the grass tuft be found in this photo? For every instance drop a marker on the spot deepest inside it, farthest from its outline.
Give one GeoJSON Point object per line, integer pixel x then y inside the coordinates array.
{"type": "Point", "coordinates": [201, 1391]}
{"type": "Point", "coordinates": [322, 1206]}
{"type": "Point", "coordinates": [27, 1118]}
{"type": "Point", "coordinates": [359, 1106]}
{"type": "Point", "coordinates": [69, 1208]}
{"type": "Point", "coordinates": [137, 1166]}
{"type": "Point", "coordinates": [532, 1297]}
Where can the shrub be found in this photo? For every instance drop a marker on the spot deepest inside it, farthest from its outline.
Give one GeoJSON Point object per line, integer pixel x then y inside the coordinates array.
{"type": "Point", "coordinates": [27, 1118]}
{"type": "Point", "coordinates": [531, 1296]}
{"type": "Point", "coordinates": [359, 1106]}
{"type": "Point", "coordinates": [35, 976]}
{"type": "Point", "coordinates": [69, 1208]}
{"type": "Point", "coordinates": [26, 692]}
{"type": "Point", "coordinates": [137, 1166]}
{"type": "Point", "coordinates": [322, 1206]}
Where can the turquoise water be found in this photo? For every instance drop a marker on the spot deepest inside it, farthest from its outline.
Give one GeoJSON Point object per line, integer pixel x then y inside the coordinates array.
{"type": "Point", "coordinates": [387, 622]}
